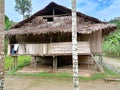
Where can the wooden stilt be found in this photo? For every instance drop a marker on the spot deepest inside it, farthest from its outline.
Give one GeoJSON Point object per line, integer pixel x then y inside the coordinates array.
{"type": "Point", "coordinates": [101, 60]}
{"type": "Point", "coordinates": [88, 62]}
{"type": "Point", "coordinates": [54, 63]}
{"type": "Point", "coordinates": [35, 63]}
{"type": "Point", "coordinates": [15, 62]}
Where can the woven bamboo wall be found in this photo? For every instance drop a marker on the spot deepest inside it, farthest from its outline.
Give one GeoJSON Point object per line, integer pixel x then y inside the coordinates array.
{"type": "Point", "coordinates": [96, 42]}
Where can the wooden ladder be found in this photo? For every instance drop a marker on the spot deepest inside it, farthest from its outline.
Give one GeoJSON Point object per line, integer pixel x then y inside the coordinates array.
{"type": "Point", "coordinates": [96, 61]}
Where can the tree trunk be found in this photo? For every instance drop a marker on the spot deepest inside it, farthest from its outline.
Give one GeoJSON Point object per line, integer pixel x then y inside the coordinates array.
{"type": "Point", "coordinates": [74, 46]}
{"type": "Point", "coordinates": [1, 44]}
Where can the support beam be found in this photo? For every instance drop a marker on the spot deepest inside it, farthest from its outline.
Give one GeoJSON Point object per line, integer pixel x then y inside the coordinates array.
{"type": "Point", "coordinates": [54, 63]}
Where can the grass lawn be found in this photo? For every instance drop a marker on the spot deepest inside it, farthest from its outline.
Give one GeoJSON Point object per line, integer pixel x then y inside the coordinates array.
{"type": "Point", "coordinates": [22, 61]}
{"type": "Point", "coordinates": [107, 74]}
{"type": "Point", "coordinates": [25, 60]}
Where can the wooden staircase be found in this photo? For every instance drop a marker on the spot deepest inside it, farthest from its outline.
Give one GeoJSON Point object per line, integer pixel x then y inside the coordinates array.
{"type": "Point", "coordinates": [100, 67]}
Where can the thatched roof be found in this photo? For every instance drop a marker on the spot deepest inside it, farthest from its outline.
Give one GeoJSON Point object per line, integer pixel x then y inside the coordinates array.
{"type": "Point", "coordinates": [54, 28]}
{"type": "Point", "coordinates": [36, 24]}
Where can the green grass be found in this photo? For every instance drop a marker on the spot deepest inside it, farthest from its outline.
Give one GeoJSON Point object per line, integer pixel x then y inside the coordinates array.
{"type": "Point", "coordinates": [25, 60]}
{"type": "Point", "coordinates": [22, 61]}
{"type": "Point", "coordinates": [8, 62]}
{"type": "Point", "coordinates": [108, 73]}
{"type": "Point", "coordinates": [93, 77]}
{"type": "Point", "coordinates": [45, 74]}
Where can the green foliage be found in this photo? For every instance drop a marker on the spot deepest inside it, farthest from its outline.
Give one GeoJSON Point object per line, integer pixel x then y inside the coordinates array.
{"type": "Point", "coordinates": [22, 61]}
{"type": "Point", "coordinates": [8, 23]}
{"type": "Point", "coordinates": [116, 21]}
{"type": "Point", "coordinates": [8, 62]}
{"type": "Point", "coordinates": [6, 45]}
{"type": "Point", "coordinates": [24, 7]}
{"type": "Point", "coordinates": [111, 44]}
{"type": "Point", "coordinates": [7, 26]}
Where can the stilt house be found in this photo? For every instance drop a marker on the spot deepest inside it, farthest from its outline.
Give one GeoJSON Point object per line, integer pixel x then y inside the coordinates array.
{"type": "Point", "coordinates": [46, 35]}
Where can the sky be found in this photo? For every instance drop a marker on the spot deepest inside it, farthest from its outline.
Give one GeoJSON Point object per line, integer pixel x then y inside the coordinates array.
{"type": "Point", "coordinates": [101, 9]}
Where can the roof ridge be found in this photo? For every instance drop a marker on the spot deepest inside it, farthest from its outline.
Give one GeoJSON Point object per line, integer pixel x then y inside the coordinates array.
{"type": "Point", "coordinates": [53, 4]}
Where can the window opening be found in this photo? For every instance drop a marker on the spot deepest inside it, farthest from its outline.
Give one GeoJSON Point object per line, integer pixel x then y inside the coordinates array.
{"type": "Point", "coordinates": [49, 19]}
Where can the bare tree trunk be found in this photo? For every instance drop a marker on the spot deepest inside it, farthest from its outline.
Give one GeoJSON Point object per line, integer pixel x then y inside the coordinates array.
{"type": "Point", "coordinates": [1, 44]}
{"type": "Point", "coordinates": [74, 46]}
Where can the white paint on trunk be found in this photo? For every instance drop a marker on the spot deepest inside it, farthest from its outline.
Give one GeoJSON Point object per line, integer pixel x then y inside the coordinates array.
{"type": "Point", "coordinates": [74, 46]}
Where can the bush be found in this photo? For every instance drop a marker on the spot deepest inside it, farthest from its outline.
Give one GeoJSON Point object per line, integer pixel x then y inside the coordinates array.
{"type": "Point", "coordinates": [111, 44]}
{"type": "Point", "coordinates": [22, 61]}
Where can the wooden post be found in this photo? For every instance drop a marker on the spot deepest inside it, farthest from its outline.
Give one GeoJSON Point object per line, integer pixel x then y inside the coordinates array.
{"type": "Point", "coordinates": [16, 61]}
{"type": "Point", "coordinates": [54, 63]}
{"type": "Point", "coordinates": [88, 62]}
{"type": "Point", "coordinates": [74, 46]}
{"type": "Point", "coordinates": [35, 63]}
{"type": "Point", "coordinates": [100, 60]}
{"type": "Point", "coordinates": [13, 62]}
{"type": "Point", "coordinates": [1, 44]}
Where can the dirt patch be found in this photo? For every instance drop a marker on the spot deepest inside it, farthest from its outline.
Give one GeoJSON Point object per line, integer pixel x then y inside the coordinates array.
{"type": "Point", "coordinates": [33, 83]}
{"type": "Point", "coordinates": [113, 63]}
{"type": "Point", "coordinates": [83, 70]}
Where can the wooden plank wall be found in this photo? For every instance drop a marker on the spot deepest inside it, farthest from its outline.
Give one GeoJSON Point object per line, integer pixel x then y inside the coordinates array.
{"type": "Point", "coordinates": [21, 49]}
{"type": "Point", "coordinates": [52, 49]}
{"type": "Point", "coordinates": [66, 48]}
{"type": "Point", "coordinates": [96, 42]}
{"type": "Point", "coordinates": [59, 48]}
{"type": "Point", "coordinates": [36, 49]}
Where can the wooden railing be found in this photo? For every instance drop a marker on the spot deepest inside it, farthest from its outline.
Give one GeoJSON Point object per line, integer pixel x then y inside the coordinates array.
{"type": "Point", "coordinates": [64, 48]}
